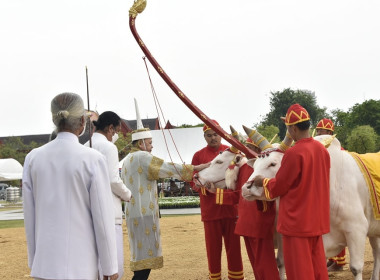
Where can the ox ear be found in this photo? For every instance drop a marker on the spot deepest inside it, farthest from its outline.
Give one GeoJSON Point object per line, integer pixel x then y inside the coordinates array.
{"type": "Point", "coordinates": [327, 141]}
{"type": "Point", "coordinates": [240, 160]}
{"type": "Point", "coordinates": [251, 162]}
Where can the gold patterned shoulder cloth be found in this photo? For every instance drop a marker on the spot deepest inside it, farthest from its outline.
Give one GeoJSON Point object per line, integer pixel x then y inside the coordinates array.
{"type": "Point", "coordinates": [154, 168]}
{"type": "Point", "coordinates": [187, 172]}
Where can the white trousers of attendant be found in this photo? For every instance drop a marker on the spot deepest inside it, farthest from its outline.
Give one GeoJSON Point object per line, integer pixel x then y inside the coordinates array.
{"type": "Point", "coordinates": [120, 252]}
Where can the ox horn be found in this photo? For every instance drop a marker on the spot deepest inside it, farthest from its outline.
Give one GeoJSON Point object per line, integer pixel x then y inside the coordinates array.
{"type": "Point", "coordinates": [257, 138]}
{"type": "Point", "coordinates": [287, 142]}
{"type": "Point", "coordinates": [235, 135]}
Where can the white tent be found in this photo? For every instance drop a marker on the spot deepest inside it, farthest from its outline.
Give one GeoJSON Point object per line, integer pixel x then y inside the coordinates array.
{"type": "Point", "coordinates": [10, 169]}
{"type": "Point", "coordinates": [186, 140]}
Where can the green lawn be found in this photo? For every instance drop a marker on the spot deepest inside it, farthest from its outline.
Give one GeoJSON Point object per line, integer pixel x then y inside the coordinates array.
{"type": "Point", "coordinates": [12, 224]}
{"type": "Point", "coordinates": [7, 208]}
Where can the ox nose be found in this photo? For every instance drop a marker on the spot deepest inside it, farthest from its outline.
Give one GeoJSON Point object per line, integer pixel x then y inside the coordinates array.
{"type": "Point", "coordinates": [197, 180]}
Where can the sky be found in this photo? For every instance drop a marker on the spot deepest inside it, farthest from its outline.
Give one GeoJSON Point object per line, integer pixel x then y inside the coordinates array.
{"type": "Point", "coordinates": [225, 56]}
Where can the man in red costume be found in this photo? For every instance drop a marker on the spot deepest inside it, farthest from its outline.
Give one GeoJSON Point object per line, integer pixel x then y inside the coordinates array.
{"type": "Point", "coordinates": [302, 183]}
{"type": "Point", "coordinates": [219, 220]}
{"type": "Point", "coordinates": [255, 223]}
{"type": "Point", "coordinates": [326, 127]}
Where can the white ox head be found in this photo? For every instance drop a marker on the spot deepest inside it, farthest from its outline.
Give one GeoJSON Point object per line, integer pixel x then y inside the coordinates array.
{"type": "Point", "coordinates": [221, 165]}
{"type": "Point", "coordinates": [224, 168]}
{"type": "Point", "coordinates": [268, 161]}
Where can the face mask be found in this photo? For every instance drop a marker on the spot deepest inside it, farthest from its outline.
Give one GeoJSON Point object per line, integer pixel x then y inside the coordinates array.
{"type": "Point", "coordinates": [115, 137]}
{"type": "Point", "coordinates": [84, 129]}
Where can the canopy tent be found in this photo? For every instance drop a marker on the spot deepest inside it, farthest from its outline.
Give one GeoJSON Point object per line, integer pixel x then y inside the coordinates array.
{"type": "Point", "coordinates": [10, 169]}
{"type": "Point", "coordinates": [186, 140]}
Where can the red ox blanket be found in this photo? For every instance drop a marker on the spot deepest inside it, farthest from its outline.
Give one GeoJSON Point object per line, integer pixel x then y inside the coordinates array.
{"type": "Point", "coordinates": [369, 165]}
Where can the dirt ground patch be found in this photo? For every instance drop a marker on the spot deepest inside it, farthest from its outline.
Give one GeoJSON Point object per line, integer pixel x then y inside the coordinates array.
{"type": "Point", "coordinates": [183, 249]}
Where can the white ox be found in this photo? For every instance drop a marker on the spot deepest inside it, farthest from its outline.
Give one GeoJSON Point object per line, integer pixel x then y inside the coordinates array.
{"type": "Point", "coordinates": [216, 172]}
{"type": "Point", "coordinates": [351, 215]}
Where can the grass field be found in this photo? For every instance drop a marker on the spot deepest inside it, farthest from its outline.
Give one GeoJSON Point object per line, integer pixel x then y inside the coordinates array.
{"type": "Point", "coordinates": [183, 250]}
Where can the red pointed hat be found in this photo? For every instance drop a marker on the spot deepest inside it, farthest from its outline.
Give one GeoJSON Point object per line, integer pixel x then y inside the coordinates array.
{"type": "Point", "coordinates": [325, 124]}
{"type": "Point", "coordinates": [296, 114]}
{"type": "Point", "coordinates": [206, 127]}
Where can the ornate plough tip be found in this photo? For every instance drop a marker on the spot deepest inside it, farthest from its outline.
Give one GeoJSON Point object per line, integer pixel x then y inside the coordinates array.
{"type": "Point", "coordinates": [137, 8]}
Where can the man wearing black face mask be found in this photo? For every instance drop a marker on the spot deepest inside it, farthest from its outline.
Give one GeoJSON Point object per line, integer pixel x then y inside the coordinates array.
{"type": "Point", "coordinates": [106, 129]}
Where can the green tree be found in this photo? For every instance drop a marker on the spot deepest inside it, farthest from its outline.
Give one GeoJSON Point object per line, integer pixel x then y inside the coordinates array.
{"type": "Point", "coordinates": [366, 113]}
{"type": "Point", "coordinates": [362, 140]}
{"type": "Point", "coordinates": [190, 125]}
{"type": "Point", "coordinates": [342, 130]}
{"type": "Point", "coordinates": [269, 131]}
{"type": "Point", "coordinates": [280, 101]}
{"type": "Point", "coordinates": [15, 148]}
{"type": "Point", "coordinates": [123, 145]}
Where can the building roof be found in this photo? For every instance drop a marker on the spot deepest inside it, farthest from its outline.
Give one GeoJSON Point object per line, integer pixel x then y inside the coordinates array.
{"type": "Point", "coordinates": [127, 126]}
{"type": "Point", "coordinates": [152, 124]}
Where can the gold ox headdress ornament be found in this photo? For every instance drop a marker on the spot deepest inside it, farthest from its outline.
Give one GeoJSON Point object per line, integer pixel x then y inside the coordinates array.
{"type": "Point", "coordinates": [265, 146]}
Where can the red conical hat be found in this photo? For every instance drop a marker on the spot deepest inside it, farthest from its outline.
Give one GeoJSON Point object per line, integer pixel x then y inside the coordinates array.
{"type": "Point", "coordinates": [206, 127]}
{"type": "Point", "coordinates": [325, 124]}
{"type": "Point", "coordinates": [296, 114]}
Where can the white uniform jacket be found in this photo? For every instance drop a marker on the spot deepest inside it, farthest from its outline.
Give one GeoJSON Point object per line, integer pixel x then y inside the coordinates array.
{"type": "Point", "coordinates": [119, 190]}
{"type": "Point", "coordinates": [68, 210]}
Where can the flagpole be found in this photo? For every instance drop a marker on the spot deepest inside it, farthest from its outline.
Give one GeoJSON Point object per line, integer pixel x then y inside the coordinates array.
{"type": "Point", "coordinates": [88, 107]}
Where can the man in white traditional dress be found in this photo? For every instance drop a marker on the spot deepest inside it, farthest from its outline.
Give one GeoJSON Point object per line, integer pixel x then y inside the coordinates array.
{"type": "Point", "coordinates": [140, 171]}
{"type": "Point", "coordinates": [68, 207]}
{"type": "Point", "coordinates": [106, 133]}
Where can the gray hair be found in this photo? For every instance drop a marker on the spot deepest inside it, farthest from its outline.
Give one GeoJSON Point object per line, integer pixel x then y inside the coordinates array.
{"type": "Point", "coordinates": [67, 110]}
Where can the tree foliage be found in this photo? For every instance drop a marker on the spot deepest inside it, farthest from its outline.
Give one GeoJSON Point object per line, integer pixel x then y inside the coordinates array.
{"type": "Point", "coordinates": [362, 140]}
{"type": "Point", "coordinates": [15, 148]}
{"type": "Point", "coordinates": [190, 125]}
{"type": "Point", "coordinates": [269, 132]}
{"type": "Point", "coordinates": [123, 145]}
{"type": "Point", "coordinates": [366, 113]}
{"type": "Point", "coordinates": [280, 101]}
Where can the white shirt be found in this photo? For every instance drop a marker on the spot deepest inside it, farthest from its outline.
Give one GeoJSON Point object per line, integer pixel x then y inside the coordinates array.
{"type": "Point", "coordinates": [69, 218]}
{"type": "Point", "coordinates": [119, 190]}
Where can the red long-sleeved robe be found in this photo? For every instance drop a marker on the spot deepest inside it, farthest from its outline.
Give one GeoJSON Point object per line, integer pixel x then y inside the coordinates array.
{"type": "Point", "coordinates": [302, 183]}
{"type": "Point", "coordinates": [256, 224]}
{"type": "Point", "coordinates": [219, 223]}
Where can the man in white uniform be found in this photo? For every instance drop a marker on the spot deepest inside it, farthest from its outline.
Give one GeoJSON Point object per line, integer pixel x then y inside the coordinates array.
{"type": "Point", "coordinates": [107, 128]}
{"type": "Point", "coordinates": [68, 207]}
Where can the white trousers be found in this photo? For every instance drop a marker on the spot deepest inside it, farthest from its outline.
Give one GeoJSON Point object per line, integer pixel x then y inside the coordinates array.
{"type": "Point", "coordinates": [120, 252]}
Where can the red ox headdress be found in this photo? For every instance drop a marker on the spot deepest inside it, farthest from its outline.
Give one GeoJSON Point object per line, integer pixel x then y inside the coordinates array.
{"type": "Point", "coordinates": [296, 114]}
{"type": "Point", "coordinates": [325, 124]}
{"type": "Point", "coordinates": [206, 127]}
{"type": "Point", "coordinates": [250, 141]}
